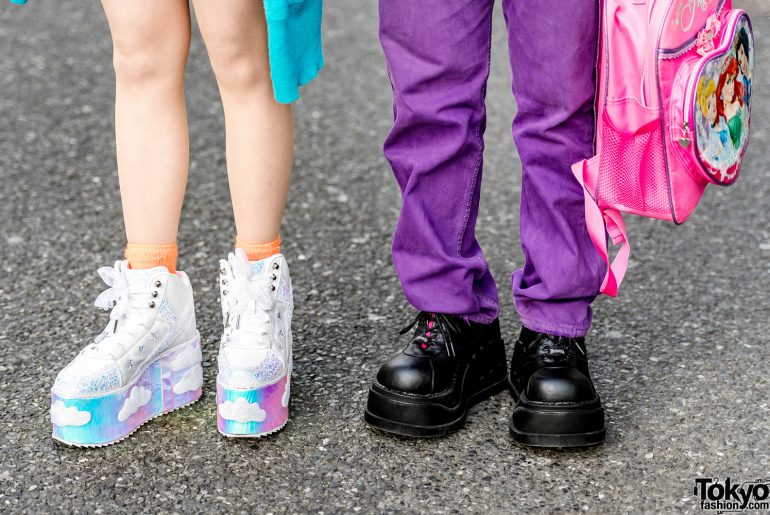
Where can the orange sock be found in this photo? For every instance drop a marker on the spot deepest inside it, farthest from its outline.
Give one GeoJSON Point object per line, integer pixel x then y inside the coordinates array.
{"type": "Point", "coordinates": [140, 256]}
{"type": "Point", "coordinates": [257, 251]}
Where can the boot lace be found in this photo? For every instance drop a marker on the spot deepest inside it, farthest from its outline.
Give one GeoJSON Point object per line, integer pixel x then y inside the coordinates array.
{"type": "Point", "coordinates": [553, 349]}
{"type": "Point", "coordinates": [128, 307]}
{"type": "Point", "coordinates": [429, 327]}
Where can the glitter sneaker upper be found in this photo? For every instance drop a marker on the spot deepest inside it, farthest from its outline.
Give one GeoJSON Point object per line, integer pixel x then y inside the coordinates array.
{"type": "Point", "coordinates": [257, 308]}
{"type": "Point", "coordinates": [151, 312]}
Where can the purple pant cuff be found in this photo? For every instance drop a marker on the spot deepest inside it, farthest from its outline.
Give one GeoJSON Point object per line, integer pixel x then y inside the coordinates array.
{"type": "Point", "coordinates": [479, 318]}
{"type": "Point", "coordinates": [556, 329]}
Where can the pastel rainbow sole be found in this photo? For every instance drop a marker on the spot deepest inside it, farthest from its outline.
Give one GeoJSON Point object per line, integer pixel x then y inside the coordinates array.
{"type": "Point", "coordinates": [171, 381]}
{"type": "Point", "coordinates": [255, 412]}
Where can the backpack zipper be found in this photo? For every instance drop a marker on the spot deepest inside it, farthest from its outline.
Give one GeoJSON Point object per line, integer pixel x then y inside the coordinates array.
{"type": "Point", "coordinates": [650, 54]}
{"type": "Point", "coordinates": [673, 53]}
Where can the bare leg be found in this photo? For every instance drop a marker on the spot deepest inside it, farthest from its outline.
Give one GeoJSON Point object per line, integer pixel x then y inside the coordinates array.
{"type": "Point", "coordinates": [151, 41]}
{"type": "Point", "coordinates": [259, 130]}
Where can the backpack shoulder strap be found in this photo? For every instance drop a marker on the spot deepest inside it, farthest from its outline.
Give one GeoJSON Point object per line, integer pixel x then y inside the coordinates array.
{"type": "Point", "coordinates": [602, 222]}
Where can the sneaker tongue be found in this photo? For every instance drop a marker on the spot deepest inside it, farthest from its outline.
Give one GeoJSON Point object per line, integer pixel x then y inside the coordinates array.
{"type": "Point", "coordinates": [140, 278]}
{"type": "Point", "coordinates": [258, 268]}
{"type": "Point", "coordinates": [241, 266]}
{"type": "Point", "coordinates": [257, 274]}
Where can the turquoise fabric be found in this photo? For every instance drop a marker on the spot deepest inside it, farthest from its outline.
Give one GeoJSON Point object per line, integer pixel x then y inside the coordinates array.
{"type": "Point", "coordinates": [294, 40]}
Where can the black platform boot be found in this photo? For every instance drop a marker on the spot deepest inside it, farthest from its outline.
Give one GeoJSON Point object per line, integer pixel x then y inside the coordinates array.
{"type": "Point", "coordinates": [556, 402]}
{"type": "Point", "coordinates": [447, 366]}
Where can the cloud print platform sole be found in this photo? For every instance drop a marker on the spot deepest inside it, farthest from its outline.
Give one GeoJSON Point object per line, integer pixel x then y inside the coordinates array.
{"type": "Point", "coordinates": [169, 382]}
{"type": "Point", "coordinates": [251, 413]}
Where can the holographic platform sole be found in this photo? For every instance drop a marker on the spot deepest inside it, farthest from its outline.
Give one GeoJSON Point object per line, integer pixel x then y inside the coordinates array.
{"type": "Point", "coordinates": [255, 412]}
{"type": "Point", "coordinates": [173, 380]}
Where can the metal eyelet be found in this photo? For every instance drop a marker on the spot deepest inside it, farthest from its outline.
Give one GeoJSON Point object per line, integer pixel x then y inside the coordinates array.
{"type": "Point", "coordinates": [154, 294]}
{"type": "Point", "coordinates": [272, 288]}
{"type": "Point", "coordinates": [152, 304]}
{"type": "Point", "coordinates": [223, 271]}
{"type": "Point", "coordinates": [224, 292]}
{"type": "Point", "coordinates": [276, 266]}
{"type": "Point", "coordinates": [224, 282]}
{"type": "Point", "coordinates": [158, 284]}
{"type": "Point", "coordinates": [273, 277]}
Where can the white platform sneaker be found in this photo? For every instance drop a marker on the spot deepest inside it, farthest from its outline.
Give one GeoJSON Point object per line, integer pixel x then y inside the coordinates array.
{"type": "Point", "coordinates": [145, 363]}
{"type": "Point", "coordinates": [254, 381]}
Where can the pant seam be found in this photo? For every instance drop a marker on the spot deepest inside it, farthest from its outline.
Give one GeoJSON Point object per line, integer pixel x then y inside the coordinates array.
{"type": "Point", "coordinates": [478, 318]}
{"type": "Point", "coordinates": [601, 273]}
{"type": "Point", "coordinates": [477, 166]}
{"type": "Point", "coordinates": [481, 295]}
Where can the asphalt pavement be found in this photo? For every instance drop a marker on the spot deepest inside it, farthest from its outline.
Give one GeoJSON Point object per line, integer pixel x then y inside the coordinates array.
{"type": "Point", "coordinates": [680, 358]}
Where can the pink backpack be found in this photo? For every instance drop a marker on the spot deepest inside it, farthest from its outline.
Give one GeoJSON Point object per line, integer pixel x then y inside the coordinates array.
{"type": "Point", "coordinates": [672, 111]}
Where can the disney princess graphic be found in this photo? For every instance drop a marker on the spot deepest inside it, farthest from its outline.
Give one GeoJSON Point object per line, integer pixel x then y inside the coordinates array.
{"type": "Point", "coordinates": [723, 97]}
{"type": "Point", "coordinates": [742, 54]}
{"type": "Point", "coordinates": [730, 99]}
{"type": "Point", "coordinates": [713, 132]}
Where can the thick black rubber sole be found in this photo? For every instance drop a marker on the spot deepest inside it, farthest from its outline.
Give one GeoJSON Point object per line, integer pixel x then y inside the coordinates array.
{"type": "Point", "coordinates": [557, 427]}
{"type": "Point", "coordinates": [432, 431]}
{"type": "Point", "coordinates": [562, 441]}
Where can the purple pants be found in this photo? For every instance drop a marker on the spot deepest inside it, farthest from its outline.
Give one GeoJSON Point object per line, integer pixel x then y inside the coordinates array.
{"type": "Point", "coordinates": [438, 56]}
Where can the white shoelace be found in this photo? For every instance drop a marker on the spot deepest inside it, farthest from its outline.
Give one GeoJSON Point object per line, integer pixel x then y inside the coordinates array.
{"type": "Point", "coordinates": [127, 305]}
{"type": "Point", "coordinates": [248, 314]}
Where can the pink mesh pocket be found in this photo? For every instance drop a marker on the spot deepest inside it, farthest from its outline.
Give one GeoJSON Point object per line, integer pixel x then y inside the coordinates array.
{"type": "Point", "coordinates": [632, 173]}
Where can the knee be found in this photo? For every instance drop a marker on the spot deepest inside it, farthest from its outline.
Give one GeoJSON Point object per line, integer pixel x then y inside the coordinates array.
{"type": "Point", "coordinates": [237, 64]}
{"type": "Point", "coordinates": [142, 60]}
